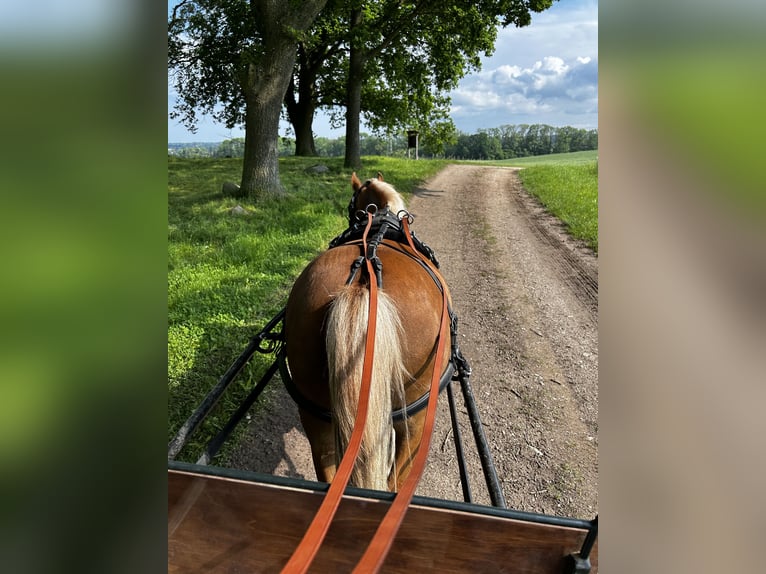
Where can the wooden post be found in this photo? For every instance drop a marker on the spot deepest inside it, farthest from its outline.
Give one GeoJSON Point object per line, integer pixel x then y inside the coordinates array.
{"type": "Point", "coordinates": [412, 142]}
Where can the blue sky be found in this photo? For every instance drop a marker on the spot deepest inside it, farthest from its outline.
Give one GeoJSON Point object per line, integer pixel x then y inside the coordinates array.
{"type": "Point", "coordinates": [546, 73]}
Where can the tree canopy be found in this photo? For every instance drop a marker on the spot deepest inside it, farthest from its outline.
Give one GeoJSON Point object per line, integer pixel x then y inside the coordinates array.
{"type": "Point", "coordinates": [233, 59]}
{"type": "Point", "coordinates": [391, 62]}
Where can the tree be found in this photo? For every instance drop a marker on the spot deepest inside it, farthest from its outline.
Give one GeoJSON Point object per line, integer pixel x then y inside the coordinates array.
{"type": "Point", "coordinates": [315, 78]}
{"type": "Point", "coordinates": [563, 139]}
{"type": "Point", "coordinates": [394, 62]}
{"type": "Point", "coordinates": [436, 137]}
{"type": "Point", "coordinates": [372, 145]}
{"type": "Point", "coordinates": [233, 59]}
{"type": "Point", "coordinates": [427, 44]}
{"type": "Point", "coordinates": [231, 148]}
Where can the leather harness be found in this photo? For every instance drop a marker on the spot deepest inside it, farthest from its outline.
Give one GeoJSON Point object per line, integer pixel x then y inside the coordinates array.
{"type": "Point", "coordinates": [385, 226]}
{"type": "Point", "coordinates": [378, 548]}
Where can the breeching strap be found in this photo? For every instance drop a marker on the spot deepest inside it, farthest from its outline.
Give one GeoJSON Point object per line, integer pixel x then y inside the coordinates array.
{"type": "Point", "coordinates": [309, 546]}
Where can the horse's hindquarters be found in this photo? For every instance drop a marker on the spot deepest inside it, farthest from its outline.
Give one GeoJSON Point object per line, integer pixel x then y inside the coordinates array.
{"type": "Point", "coordinates": [418, 302]}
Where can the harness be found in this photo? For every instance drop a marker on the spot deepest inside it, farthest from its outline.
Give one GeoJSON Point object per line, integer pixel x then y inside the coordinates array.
{"type": "Point", "coordinates": [384, 226]}
{"type": "Point", "coordinates": [381, 542]}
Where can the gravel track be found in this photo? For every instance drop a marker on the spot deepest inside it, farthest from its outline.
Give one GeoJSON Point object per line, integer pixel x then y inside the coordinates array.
{"type": "Point", "coordinates": [527, 297]}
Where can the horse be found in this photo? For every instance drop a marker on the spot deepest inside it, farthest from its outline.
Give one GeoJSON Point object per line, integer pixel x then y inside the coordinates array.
{"type": "Point", "coordinates": [326, 321]}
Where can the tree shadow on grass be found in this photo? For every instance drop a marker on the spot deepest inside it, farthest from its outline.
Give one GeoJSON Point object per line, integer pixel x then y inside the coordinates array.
{"type": "Point", "coordinates": [259, 441]}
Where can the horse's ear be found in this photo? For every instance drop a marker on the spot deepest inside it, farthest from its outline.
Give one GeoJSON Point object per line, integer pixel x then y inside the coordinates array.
{"type": "Point", "coordinates": [380, 176]}
{"type": "Point", "coordinates": [355, 183]}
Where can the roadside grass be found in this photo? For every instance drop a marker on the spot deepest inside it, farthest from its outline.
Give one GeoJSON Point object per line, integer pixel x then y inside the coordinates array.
{"type": "Point", "coordinates": [567, 185]}
{"type": "Point", "coordinates": [577, 157]}
{"type": "Point", "coordinates": [570, 192]}
{"type": "Point", "coordinates": [229, 274]}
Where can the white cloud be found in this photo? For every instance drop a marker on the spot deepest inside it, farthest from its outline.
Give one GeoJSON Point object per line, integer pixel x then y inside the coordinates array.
{"type": "Point", "coordinates": [549, 88]}
{"type": "Point", "coordinates": [544, 73]}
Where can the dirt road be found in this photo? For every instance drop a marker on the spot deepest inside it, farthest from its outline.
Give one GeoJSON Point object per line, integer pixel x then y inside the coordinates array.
{"type": "Point", "coordinates": [526, 295]}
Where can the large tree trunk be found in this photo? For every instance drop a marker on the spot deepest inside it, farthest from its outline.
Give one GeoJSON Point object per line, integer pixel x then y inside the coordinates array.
{"type": "Point", "coordinates": [303, 126]}
{"type": "Point", "coordinates": [266, 83]}
{"type": "Point", "coordinates": [354, 94]}
{"type": "Point", "coordinates": [300, 112]}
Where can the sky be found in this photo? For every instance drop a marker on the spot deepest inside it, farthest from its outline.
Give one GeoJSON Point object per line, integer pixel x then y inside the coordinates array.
{"type": "Point", "coordinates": [545, 73]}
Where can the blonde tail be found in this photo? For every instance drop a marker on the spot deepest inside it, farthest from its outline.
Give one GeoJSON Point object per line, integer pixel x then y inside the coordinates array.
{"type": "Point", "coordinates": [346, 337]}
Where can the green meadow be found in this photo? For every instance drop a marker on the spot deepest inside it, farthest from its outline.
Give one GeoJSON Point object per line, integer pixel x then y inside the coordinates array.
{"type": "Point", "coordinates": [230, 271]}
{"type": "Point", "coordinates": [554, 159]}
{"type": "Point", "coordinates": [570, 192]}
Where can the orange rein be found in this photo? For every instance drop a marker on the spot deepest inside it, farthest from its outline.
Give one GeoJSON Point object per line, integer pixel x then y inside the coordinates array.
{"type": "Point", "coordinates": [378, 548]}
{"type": "Point", "coordinates": [306, 551]}
{"type": "Point", "coordinates": [382, 540]}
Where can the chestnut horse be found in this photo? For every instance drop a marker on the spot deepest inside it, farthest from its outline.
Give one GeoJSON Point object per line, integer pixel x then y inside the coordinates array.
{"type": "Point", "coordinates": [325, 331]}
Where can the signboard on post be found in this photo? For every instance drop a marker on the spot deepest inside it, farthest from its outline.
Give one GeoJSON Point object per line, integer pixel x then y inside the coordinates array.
{"type": "Point", "coordinates": [412, 142]}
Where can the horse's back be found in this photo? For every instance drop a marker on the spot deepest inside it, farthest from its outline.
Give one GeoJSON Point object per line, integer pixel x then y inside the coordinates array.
{"type": "Point", "coordinates": [416, 295]}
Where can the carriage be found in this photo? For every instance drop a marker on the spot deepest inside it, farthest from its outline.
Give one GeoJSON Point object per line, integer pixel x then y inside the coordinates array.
{"type": "Point", "coordinates": [368, 417]}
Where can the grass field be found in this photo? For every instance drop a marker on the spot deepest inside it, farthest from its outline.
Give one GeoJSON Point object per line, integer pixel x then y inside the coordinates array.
{"type": "Point", "coordinates": [229, 274]}
{"type": "Point", "coordinates": [577, 157]}
{"type": "Point", "coordinates": [570, 192]}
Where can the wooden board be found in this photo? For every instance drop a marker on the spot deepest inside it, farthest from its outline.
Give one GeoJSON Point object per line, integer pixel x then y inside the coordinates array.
{"type": "Point", "coordinates": [219, 524]}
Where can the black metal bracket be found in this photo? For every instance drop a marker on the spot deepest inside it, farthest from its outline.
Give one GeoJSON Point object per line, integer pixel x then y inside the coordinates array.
{"type": "Point", "coordinates": [268, 340]}
{"type": "Point", "coordinates": [579, 562]}
{"type": "Point", "coordinates": [265, 341]}
{"type": "Point", "coordinates": [482, 446]}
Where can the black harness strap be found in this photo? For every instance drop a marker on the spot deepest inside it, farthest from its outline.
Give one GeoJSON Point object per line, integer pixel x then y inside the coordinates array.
{"type": "Point", "coordinates": [322, 413]}
{"type": "Point", "coordinates": [391, 227]}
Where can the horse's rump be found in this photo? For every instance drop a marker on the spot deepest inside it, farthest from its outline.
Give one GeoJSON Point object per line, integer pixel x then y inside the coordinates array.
{"type": "Point", "coordinates": [408, 293]}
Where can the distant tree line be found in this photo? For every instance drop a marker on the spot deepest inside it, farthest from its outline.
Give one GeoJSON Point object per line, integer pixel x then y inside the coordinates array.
{"type": "Point", "coordinates": [504, 142]}
{"type": "Point", "coordinates": [511, 141]}
{"type": "Point", "coordinates": [228, 148]}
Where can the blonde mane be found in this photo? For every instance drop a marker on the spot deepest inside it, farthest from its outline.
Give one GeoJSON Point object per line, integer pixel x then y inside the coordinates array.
{"type": "Point", "coordinates": [388, 196]}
